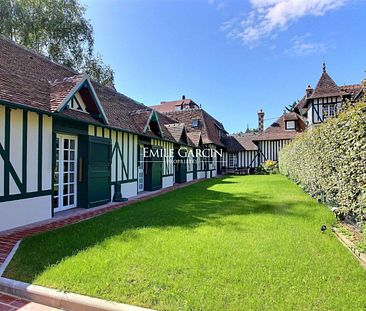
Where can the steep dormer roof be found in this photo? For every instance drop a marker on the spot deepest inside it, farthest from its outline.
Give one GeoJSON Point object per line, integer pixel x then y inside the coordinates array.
{"type": "Point", "coordinates": [178, 131]}
{"type": "Point", "coordinates": [326, 87]}
{"type": "Point", "coordinates": [196, 138]}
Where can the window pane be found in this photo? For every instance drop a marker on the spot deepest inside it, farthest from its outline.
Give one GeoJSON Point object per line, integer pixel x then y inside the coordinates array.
{"type": "Point", "coordinates": [66, 144]}
{"type": "Point", "coordinates": [72, 144]}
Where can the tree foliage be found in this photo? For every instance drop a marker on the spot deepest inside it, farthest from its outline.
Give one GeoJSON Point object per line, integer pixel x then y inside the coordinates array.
{"type": "Point", "coordinates": [329, 162]}
{"type": "Point", "coordinates": [290, 108]}
{"type": "Point", "coordinates": [57, 29]}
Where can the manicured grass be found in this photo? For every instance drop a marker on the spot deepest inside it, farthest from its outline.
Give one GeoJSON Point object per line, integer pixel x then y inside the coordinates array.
{"type": "Point", "coordinates": [238, 243]}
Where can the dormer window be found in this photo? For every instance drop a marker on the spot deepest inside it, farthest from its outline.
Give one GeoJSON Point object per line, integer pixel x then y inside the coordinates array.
{"type": "Point", "coordinates": [290, 125]}
{"type": "Point", "coordinates": [195, 123]}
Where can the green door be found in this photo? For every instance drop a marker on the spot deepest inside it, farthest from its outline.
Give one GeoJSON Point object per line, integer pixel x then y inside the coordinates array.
{"type": "Point", "coordinates": [98, 171]}
{"type": "Point", "coordinates": [195, 168]}
{"type": "Point", "coordinates": [180, 168]}
{"type": "Point", "coordinates": [153, 171]}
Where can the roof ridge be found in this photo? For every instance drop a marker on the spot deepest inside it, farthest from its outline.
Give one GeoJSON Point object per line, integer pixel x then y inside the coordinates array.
{"type": "Point", "coordinates": [66, 79]}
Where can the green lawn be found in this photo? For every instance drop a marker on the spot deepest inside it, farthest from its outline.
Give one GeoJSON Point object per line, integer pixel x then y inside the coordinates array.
{"type": "Point", "coordinates": [238, 243]}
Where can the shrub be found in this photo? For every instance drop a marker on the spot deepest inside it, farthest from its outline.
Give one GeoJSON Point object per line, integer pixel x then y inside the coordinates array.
{"type": "Point", "coordinates": [270, 166]}
{"type": "Point", "coordinates": [329, 162]}
{"type": "Point", "coordinates": [259, 170]}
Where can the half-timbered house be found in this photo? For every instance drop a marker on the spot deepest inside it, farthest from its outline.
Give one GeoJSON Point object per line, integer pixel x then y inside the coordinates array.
{"type": "Point", "coordinates": [199, 124]}
{"type": "Point", "coordinates": [67, 141]}
{"type": "Point", "coordinates": [327, 99]}
{"type": "Point", "coordinates": [250, 150]}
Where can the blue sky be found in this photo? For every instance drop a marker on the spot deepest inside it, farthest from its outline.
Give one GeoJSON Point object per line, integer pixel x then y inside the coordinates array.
{"type": "Point", "coordinates": [232, 57]}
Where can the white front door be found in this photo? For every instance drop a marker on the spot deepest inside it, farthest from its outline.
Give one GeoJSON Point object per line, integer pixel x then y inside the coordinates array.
{"type": "Point", "coordinates": [65, 176]}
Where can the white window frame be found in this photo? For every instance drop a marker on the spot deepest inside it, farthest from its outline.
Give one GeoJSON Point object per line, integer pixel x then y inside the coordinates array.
{"type": "Point", "coordinates": [233, 160]}
{"type": "Point", "coordinates": [61, 184]}
{"type": "Point", "coordinates": [290, 128]}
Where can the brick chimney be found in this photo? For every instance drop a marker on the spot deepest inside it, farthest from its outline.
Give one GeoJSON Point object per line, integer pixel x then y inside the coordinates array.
{"type": "Point", "coordinates": [309, 91]}
{"type": "Point", "coordinates": [183, 97]}
{"type": "Point", "coordinates": [260, 121]}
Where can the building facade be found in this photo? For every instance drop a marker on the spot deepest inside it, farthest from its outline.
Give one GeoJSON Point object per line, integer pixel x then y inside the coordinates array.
{"type": "Point", "coordinates": [67, 141]}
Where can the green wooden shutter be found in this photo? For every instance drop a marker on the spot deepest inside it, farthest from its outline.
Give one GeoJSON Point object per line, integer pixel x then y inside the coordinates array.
{"type": "Point", "coordinates": [99, 171]}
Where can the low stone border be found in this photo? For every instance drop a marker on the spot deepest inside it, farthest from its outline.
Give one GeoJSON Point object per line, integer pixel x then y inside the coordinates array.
{"type": "Point", "coordinates": [351, 247]}
{"type": "Point", "coordinates": [61, 300]}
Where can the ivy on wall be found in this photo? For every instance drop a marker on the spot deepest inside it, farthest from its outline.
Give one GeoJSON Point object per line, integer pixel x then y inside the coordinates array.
{"type": "Point", "coordinates": [329, 162]}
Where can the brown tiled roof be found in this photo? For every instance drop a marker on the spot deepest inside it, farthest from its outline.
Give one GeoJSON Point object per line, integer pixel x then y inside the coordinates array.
{"type": "Point", "coordinates": [32, 80]}
{"type": "Point", "coordinates": [291, 116]}
{"type": "Point", "coordinates": [242, 142]}
{"type": "Point", "coordinates": [301, 105]}
{"type": "Point", "coordinates": [278, 131]}
{"type": "Point", "coordinates": [353, 89]}
{"type": "Point", "coordinates": [326, 87]}
{"type": "Point", "coordinates": [169, 106]}
{"type": "Point", "coordinates": [176, 130]}
{"type": "Point", "coordinates": [195, 138]}
{"type": "Point", "coordinates": [207, 125]}
{"type": "Point", "coordinates": [60, 89]}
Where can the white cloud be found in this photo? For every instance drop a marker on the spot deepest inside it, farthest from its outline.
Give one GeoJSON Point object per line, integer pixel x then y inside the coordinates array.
{"type": "Point", "coordinates": [304, 46]}
{"type": "Point", "coordinates": [269, 16]}
{"type": "Point", "coordinates": [219, 4]}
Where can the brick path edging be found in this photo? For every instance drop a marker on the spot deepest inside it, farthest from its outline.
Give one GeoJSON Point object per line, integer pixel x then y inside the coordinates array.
{"type": "Point", "coordinates": [10, 238]}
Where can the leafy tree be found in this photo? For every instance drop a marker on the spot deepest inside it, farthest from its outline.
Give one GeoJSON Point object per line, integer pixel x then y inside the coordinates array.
{"type": "Point", "coordinates": [290, 108]}
{"type": "Point", "coordinates": [57, 29]}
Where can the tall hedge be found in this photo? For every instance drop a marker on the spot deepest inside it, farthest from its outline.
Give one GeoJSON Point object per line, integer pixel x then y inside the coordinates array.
{"type": "Point", "coordinates": [329, 162]}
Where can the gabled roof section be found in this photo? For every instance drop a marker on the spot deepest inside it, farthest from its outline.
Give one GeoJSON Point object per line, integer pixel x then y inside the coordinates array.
{"type": "Point", "coordinates": [153, 124]}
{"type": "Point", "coordinates": [277, 130]}
{"type": "Point", "coordinates": [326, 87]}
{"type": "Point", "coordinates": [208, 126]}
{"type": "Point", "coordinates": [300, 107]}
{"type": "Point", "coordinates": [168, 106]}
{"type": "Point", "coordinates": [196, 138]}
{"type": "Point", "coordinates": [178, 131]}
{"type": "Point", "coordinates": [291, 116]}
{"type": "Point", "coordinates": [62, 91]}
{"type": "Point", "coordinates": [352, 90]}
{"type": "Point", "coordinates": [243, 142]}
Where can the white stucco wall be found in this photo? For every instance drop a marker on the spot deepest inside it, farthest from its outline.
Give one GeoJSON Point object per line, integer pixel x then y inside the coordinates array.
{"type": "Point", "coordinates": [129, 189]}
{"type": "Point", "coordinates": [189, 177]}
{"type": "Point", "coordinates": [167, 181]}
{"type": "Point", "coordinates": [23, 212]}
{"type": "Point", "coordinates": [201, 175]}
